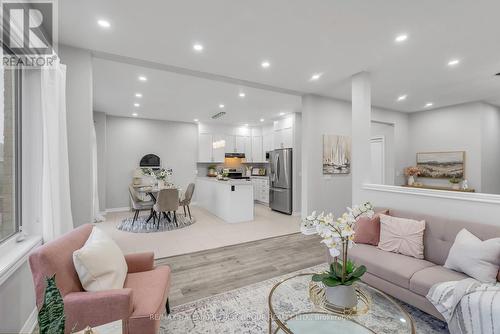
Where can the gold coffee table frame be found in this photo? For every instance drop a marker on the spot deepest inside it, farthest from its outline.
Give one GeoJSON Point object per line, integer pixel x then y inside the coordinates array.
{"type": "Point", "coordinates": [318, 299]}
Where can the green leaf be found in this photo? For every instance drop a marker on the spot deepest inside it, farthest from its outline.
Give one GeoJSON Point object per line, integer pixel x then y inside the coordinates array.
{"type": "Point", "coordinates": [51, 318]}
{"type": "Point", "coordinates": [350, 266]}
{"type": "Point", "coordinates": [336, 267]}
{"type": "Point", "coordinates": [319, 277]}
{"type": "Point", "coordinates": [351, 281]}
{"type": "Point", "coordinates": [359, 271]}
{"type": "Point", "coordinates": [331, 282]}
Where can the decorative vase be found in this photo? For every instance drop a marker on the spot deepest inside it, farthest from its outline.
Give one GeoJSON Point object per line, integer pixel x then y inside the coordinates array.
{"type": "Point", "coordinates": [455, 186]}
{"type": "Point", "coordinates": [411, 180]}
{"type": "Point", "coordinates": [161, 183]}
{"type": "Point", "coordinates": [342, 296]}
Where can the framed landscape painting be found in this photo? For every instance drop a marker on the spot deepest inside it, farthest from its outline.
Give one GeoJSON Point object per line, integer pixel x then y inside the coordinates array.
{"type": "Point", "coordinates": [336, 154]}
{"type": "Point", "coordinates": [442, 165]}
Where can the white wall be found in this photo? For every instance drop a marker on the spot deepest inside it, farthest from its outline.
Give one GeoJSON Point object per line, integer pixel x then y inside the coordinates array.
{"type": "Point", "coordinates": [386, 131]}
{"type": "Point", "coordinates": [129, 139]}
{"type": "Point", "coordinates": [79, 124]}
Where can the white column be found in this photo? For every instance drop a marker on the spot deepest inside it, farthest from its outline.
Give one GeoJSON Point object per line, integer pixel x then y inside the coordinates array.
{"type": "Point", "coordinates": [361, 123]}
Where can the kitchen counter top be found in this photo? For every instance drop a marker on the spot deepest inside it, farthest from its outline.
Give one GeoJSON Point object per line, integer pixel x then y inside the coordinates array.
{"type": "Point", "coordinates": [228, 182]}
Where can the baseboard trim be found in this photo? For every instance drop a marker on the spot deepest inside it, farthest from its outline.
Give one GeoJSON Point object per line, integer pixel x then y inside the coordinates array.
{"type": "Point", "coordinates": [125, 208]}
{"type": "Point", "coordinates": [30, 324]}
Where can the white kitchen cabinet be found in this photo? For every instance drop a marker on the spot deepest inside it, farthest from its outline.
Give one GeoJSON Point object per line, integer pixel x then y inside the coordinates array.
{"type": "Point", "coordinates": [244, 145]}
{"type": "Point", "coordinates": [287, 138]}
{"type": "Point", "coordinates": [218, 148]}
{"type": "Point", "coordinates": [205, 147]}
{"type": "Point", "coordinates": [267, 143]}
{"type": "Point", "coordinates": [257, 153]}
{"type": "Point", "coordinates": [261, 190]}
{"type": "Point", "coordinates": [230, 144]}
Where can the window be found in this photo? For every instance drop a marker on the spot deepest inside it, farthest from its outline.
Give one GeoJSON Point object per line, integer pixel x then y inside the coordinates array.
{"type": "Point", "coordinates": [10, 155]}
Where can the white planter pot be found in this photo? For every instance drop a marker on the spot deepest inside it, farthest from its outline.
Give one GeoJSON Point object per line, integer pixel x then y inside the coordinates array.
{"type": "Point", "coordinates": [411, 180]}
{"type": "Point", "coordinates": [342, 296]}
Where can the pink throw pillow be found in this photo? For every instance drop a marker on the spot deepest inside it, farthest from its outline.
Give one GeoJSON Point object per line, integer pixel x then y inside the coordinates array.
{"type": "Point", "coordinates": [368, 229]}
{"type": "Point", "coordinates": [402, 235]}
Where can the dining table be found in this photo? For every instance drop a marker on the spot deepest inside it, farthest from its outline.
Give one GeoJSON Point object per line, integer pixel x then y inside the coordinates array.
{"type": "Point", "coordinates": [152, 191]}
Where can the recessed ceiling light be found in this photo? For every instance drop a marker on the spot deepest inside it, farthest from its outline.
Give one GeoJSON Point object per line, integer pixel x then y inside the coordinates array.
{"type": "Point", "coordinates": [265, 64]}
{"type": "Point", "coordinates": [221, 106]}
{"type": "Point", "coordinates": [198, 47]}
{"type": "Point", "coordinates": [316, 76]}
{"type": "Point", "coordinates": [282, 113]}
{"type": "Point", "coordinates": [453, 62]}
{"type": "Point", "coordinates": [137, 105]}
{"type": "Point", "coordinates": [429, 104]}
{"type": "Point", "coordinates": [401, 38]}
{"type": "Point", "coordinates": [262, 120]}
{"type": "Point", "coordinates": [242, 94]}
{"type": "Point", "coordinates": [402, 97]}
{"type": "Point", "coordinates": [135, 114]}
{"type": "Point", "coordinates": [104, 23]}
{"type": "Point", "coordinates": [196, 119]}
{"type": "Point", "coordinates": [142, 78]}
{"type": "Point", "coordinates": [139, 95]}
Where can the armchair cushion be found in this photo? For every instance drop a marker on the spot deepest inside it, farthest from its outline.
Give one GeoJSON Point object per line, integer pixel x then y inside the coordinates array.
{"type": "Point", "coordinates": [138, 262]}
{"type": "Point", "coordinates": [100, 263]}
{"type": "Point", "coordinates": [96, 308]}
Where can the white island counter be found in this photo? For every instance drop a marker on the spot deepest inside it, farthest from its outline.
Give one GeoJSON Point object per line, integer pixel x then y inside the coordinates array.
{"type": "Point", "coordinates": [230, 200]}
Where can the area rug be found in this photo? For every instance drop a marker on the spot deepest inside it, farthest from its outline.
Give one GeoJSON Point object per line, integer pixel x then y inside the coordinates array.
{"type": "Point", "coordinates": [142, 226]}
{"type": "Point", "coordinates": [245, 310]}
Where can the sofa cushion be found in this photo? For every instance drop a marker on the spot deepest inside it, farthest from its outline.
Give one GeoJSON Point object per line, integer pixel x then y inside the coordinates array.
{"type": "Point", "coordinates": [146, 286]}
{"type": "Point", "coordinates": [424, 279]}
{"type": "Point", "coordinates": [476, 258]}
{"type": "Point", "coordinates": [395, 268]}
{"type": "Point", "coordinates": [401, 235]}
{"type": "Point", "coordinates": [368, 229]}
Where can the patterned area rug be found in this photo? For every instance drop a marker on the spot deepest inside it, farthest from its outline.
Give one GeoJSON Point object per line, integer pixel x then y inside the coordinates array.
{"type": "Point", "coordinates": [245, 310]}
{"type": "Point", "coordinates": [141, 226]}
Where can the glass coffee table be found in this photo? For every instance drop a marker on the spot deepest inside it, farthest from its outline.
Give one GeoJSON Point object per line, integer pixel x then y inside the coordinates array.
{"type": "Point", "coordinates": [292, 311]}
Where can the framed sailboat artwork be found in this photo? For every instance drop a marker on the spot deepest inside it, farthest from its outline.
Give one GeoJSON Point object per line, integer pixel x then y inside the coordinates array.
{"type": "Point", "coordinates": [336, 154]}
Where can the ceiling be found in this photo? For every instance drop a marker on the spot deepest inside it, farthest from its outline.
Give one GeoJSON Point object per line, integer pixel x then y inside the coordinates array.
{"type": "Point", "coordinates": [337, 38]}
{"type": "Point", "coordinates": [177, 97]}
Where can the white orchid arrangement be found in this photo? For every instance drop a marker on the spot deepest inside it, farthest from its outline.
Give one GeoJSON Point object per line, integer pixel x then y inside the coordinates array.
{"type": "Point", "coordinates": [338, 236]}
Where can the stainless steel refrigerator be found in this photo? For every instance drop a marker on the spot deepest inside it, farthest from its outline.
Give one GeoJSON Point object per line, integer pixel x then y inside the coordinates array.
{"type": "Point", "coordinates": [280, 180]}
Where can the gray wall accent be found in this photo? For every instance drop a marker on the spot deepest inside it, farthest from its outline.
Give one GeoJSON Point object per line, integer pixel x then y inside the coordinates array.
{"type": "Point", "coordinates": [490, 167]}
{"type": "Point", "coordinates": [100, 131]}
{"type": "Point", "coordinates": [456, 128]}
{"type": "Point", "coordinates": [128, 139]}
{"type": "Point", "coordinates": [17, 300]}
{"type": "Point", "coordinates": [79, 123]}
{"type": "Point", "coordinates": [321, 116]}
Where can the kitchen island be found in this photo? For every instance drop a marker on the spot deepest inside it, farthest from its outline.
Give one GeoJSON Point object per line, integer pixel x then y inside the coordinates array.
{"type": "Point", "coordinates": [230, 200]}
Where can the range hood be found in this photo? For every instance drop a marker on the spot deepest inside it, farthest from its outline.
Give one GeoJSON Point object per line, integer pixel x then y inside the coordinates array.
{"type": "Point", "coordinates": [235, 155]}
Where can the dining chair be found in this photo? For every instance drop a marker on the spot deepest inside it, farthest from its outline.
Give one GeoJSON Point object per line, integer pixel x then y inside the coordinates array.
{"type": "Point", "coordinates": [138, 204]}
{"type": "Point", "coordinates": [166, 202]}
{"type": "Point", "coordinates": [186, 201]}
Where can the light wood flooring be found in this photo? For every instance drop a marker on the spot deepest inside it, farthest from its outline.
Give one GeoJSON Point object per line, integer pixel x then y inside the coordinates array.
{"type": "Point", "coordinates": [206, 273]}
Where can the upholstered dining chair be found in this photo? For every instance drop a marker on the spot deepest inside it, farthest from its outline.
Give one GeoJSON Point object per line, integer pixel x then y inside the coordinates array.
{"type": "Point", "coordinates": [167, 201]}
{"type": "Point", "coordinates": [186, 201]}
{"type": "Point", "coordinates": [138, 204]}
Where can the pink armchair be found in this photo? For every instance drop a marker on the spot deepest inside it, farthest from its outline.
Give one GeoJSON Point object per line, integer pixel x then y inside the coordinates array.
{"type": "Point", "coordinates": [140, 304]}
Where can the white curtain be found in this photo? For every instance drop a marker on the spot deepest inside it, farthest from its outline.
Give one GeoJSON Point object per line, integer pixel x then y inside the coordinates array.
{"type": "Point", "coordinates": [97, 216]}
{"type": "Point", "coordinates": [56, 203]}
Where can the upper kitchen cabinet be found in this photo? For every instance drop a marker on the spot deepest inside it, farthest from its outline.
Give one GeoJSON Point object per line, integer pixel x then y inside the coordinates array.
{"type": "Point", "coordinates": [244, 145]}
{"type": "Point", "coordinates": [219, 145]}
{"type": "Point", "coordinates": [283, 133]}
{"type": "Point", "coordinates": [205, 147]}
{"type": "Point", "coordinates": [257, 150]}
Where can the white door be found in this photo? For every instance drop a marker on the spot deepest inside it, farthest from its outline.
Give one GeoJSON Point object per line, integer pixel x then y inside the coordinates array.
{"type": "Point", "coordinates": [205, 147]}
{"type": "Point", "coordinates": [377, 160]}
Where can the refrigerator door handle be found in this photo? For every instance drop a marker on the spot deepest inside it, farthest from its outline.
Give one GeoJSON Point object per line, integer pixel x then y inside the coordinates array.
{"type": "Point", "coordinates": [278, 166]}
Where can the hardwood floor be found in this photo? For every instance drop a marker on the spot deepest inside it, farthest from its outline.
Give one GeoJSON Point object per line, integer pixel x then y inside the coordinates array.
{"type": "Point", "coordinates": [206, 273]}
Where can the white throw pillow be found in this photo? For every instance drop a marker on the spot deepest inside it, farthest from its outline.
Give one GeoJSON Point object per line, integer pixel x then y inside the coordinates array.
{"type": "Point", "coordinates": [402, 235]}
{"type": "Point", "coordinates": [476, 258]}
{"type": "Point", "coordinates": [100, 263]}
